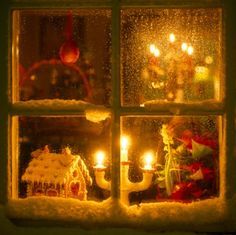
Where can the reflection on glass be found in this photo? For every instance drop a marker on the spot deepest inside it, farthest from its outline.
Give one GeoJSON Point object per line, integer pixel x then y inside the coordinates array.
{"type": "Point", "coordinates": [57, 157]}
{"type": "Point", "coordinates": [181, 154]}
{"type": "Point", "coordinates": [170, 55]}
{"type": "Point", "coordinates": [63, 54]}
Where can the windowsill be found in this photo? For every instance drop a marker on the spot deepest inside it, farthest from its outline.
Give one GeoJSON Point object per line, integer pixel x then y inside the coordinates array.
{"type": "Point", "coordinates": [206, 215]}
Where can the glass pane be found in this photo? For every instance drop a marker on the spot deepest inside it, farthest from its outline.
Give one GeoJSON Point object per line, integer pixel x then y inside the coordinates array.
{"type": "Point", "coordinates": [170, 55]}
{"type": "Point", "coordinates": [58, 157]}
{"type": "Point", "coordinates": [62, 54]}
{"type": "Point", "coordinates": [173, 158]}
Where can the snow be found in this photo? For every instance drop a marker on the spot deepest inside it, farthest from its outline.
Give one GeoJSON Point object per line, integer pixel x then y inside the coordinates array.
{"type": "Point", "coordinates": [174, 107]}
{"type": "Point", "coordinates": [55, 103]}
{"type": "Point", "coordinates": [97, 115]}
{"type": "Point", "coordinates": [93, 113]}
{"type": "Point", "coordinates": [197, 216]}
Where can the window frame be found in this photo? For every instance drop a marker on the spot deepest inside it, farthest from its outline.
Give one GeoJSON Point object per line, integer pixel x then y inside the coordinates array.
{"type": "Point", "coordinates": [9, 108]}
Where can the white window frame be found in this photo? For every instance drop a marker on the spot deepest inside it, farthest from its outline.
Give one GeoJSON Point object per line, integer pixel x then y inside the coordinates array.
{"type": "Point", "coordinates": [130, 217]}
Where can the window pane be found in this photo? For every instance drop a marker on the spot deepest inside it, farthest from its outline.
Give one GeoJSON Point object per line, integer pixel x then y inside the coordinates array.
{"type": "Point", "coordinates": [57, 156]}
{"type": "Point", "coordinates": [170, 55]}
{"type": "Point", "coordinates": [62, 54]}
{"type": "Point", "coordinates": [177, 158]}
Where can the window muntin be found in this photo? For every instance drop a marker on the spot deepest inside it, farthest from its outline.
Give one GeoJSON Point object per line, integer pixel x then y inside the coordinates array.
{"type": "Point", "coordinates": [171, 55]}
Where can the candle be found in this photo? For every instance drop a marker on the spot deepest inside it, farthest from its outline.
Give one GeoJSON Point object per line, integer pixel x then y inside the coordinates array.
{"type": "Point", "coordinates": [184, 46]}
{"type": "Point", "coordinates": [124, 148]}
{"type": "Point", "coordinates": [172, 38]}
{"type": "Point", "coordinates": [99, 159]}
{"type": "Point", "coordinates": [148, 160]}
{"type": "Point", "coordinates": [190, 50]}
{"type": "Point", "coordinates": [154, 50]}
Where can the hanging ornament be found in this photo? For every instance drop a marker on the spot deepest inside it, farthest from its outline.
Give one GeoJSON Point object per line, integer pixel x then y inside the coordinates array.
{"type": "Point", "coordinates": [69, 52]}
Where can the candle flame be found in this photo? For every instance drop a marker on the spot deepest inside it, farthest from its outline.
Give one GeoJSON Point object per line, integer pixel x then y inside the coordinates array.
{"type": "Point", "coordinates": [100, 156]}
{"type": "Point", "coordinates": [184, 46]}
{"type": "Point", "coordinates": [154, 50]}
{"type": "Point", "coordinates": [124, 141]}
{"type": "Point", "coordinates": [190, 50]}
{"type": "Point", "coordinates": [172, 37]}
{"type": "Point", "coordinates": [148, 160]}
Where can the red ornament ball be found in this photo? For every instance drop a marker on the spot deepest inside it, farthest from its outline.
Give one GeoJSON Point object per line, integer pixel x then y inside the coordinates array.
{"type": "Point", "coordinates": [69, 52]}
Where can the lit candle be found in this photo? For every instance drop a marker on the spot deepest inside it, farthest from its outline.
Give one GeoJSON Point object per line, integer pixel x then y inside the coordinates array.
{"type": "Point", "coordinates": [154, 50]}
{"type": "Point", "coordinates": [148, 160]}
{"type": "Point", "coordinates": [124, 148]}
{"type": "Point", "coordinates": [184, 46]}
{"type": "Point", "coordinates": [172, 38]}
{"type": "Point", "coordinates": [190, 50]}
{"type": "Point", "coordinates": [99, 159]}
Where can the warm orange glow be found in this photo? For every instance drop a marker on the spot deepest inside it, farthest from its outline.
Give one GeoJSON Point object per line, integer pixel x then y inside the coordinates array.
{"type": "Point", "coordinates": [209, 60]}
{"type": "Point", "coordinates": [172, 38]}
{"type": "Point", "coordinates": [184, 46]}
{"type": "Point", "coordinates": [190, 50]}
{"type": "Point", "coordinates": [154, 50]}
{"type": "Point", "coordinates": [99, 159]}
{"type": "Point", "coordinates": [148, 160]}
{"type": "Point", "coordinates": [124, 142]}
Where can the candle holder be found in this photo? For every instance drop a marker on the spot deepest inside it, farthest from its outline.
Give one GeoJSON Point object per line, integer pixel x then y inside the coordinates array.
{"type": "Point", "coordinates": [126, 186]}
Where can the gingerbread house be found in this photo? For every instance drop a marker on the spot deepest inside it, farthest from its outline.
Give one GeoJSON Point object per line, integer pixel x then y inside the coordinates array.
{"type": "Point", "coordinates": [59, 175]}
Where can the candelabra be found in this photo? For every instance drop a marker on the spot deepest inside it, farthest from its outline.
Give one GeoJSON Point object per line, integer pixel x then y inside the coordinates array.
{"type": "Point", "coordinates": [126, 186]}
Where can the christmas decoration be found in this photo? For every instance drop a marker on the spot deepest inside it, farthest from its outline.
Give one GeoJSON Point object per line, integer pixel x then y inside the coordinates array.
{"type": "Point", "coordinates": [59, 175]}
{"type": "Point", "coordinates": [190, 169]}
{"type": "Point", "coordinates": [173, 74]}
{"type": "Point", "coordinates": [69, 52]}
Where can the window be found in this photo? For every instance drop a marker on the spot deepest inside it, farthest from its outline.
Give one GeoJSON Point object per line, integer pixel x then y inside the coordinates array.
{"type": "Point", "coordinates": [120, 100]}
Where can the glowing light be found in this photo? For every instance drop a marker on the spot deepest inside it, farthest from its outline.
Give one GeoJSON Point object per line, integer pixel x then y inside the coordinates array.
{"type": "Point", "coordinates": [154, 50]}
{"type": "Point", "coordinates": [184, 46]}
{"type": "Point", "coordinates": [99, 158]}
{"type": "Point", "coordinates": [172, 38]}
{"type": "Point", "coordinates": [209, 60]}
{"type": "Point", "coordinates": [124, 142]}
{"type": "Point", "coordinates": [33, 77]}
{"type": "Point", "coordinates": [201, 73]}
{"type": "Point", "coordinates": [190, 50]}
{"type": "Point", "coordinates": [148, 160]}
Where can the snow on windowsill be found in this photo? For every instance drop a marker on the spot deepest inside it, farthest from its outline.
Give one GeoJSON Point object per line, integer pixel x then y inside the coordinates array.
{"type": "Point", "coordinates": [206, 215]}
{"type": "Point", "coordinates": [94, 113]}
{"type": "Point", "coordinates": [206, 105]}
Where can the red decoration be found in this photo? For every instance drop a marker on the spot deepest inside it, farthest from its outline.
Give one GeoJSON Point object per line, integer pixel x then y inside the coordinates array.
{"type": "Point", "coordinates": [186, 191]}
{"type": "Point", "coordinates": [69, 52]}
{"type": "Point", "coordinates": [188, 136]}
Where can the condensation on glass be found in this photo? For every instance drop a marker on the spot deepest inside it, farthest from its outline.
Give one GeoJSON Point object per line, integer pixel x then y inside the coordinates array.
{"type": "Point", "coordinates": [171, 55]}
{"type": "Point", "coordinates": [59, 54]}
{"type": "Point", "coordinates": [181, 153]}
{"type": "Point", "coordinates": [57, 156]}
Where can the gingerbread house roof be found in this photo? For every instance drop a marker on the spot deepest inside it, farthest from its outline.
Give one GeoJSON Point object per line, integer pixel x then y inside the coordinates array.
{"type": "Point", "coordinates": [54, 168]}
